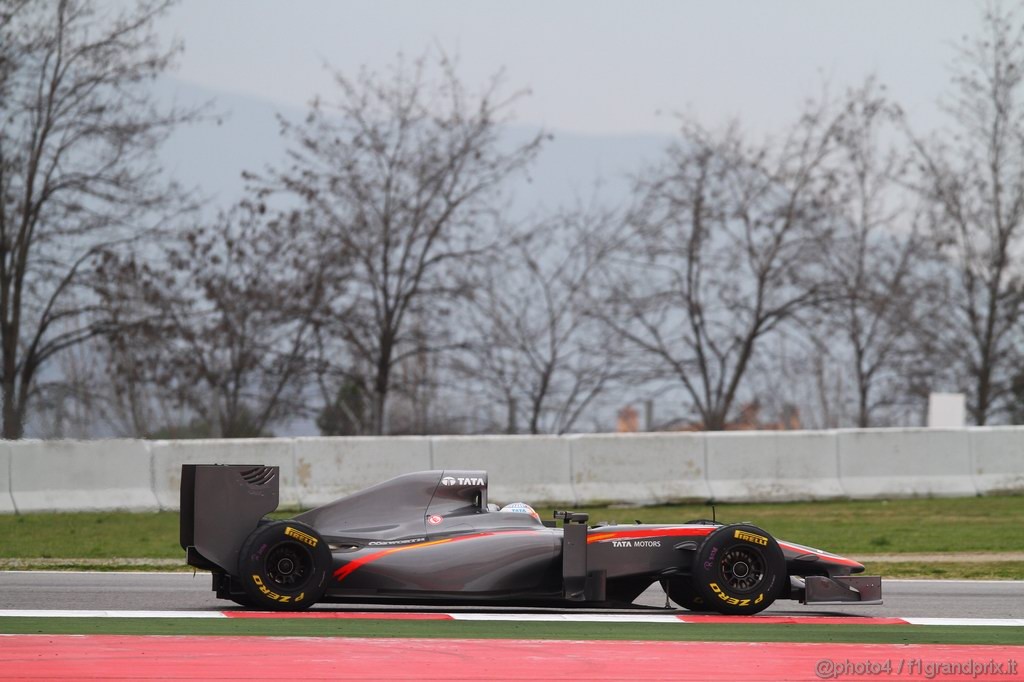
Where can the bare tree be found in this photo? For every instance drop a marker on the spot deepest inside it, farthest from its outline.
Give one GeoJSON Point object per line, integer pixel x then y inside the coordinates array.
{"type": "Point", "coordinates": [239, 307]}
{"type": "Point", "coordinates": [875, 256]}
{"type": "Point", "coordinates": [78, 130]}
{"type": "Point", "coordinates": [536, 347]}
{"type": "Point", "coordinates": [718, 253]}
{"type": "Point", "coordinates": [344, 412]}
{"type": "Point", "coordinates": [8, 10]}
{"type": "Point", "coordinates": [813, 392]}
{"type": "Point", "coordinates": [401, 176]}
{"type": "Point", "coordinates": [66, 407]}
{"type": "Point", "coordinates": [973, 179]}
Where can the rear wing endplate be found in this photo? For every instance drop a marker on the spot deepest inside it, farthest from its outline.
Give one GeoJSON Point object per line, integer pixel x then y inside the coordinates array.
{"type": "Point", "coordinates": [221, 504]}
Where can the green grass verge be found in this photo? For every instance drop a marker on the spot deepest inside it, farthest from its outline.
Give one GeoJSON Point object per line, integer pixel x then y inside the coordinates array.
{"type": "Point", "coordinates": [852, 528]}
{"type": "Point", "coordinates": [108, 566]}
{"type": "Point", "coordinates": [296, 627]}
{"type": "Point", "coordinates": [968, 524]}
{"type": "Point", "coordinates": [90, 535]}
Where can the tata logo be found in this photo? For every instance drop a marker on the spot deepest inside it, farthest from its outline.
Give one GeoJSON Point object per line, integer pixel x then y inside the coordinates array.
{"type": "Point", "coordinates": [471, 480]}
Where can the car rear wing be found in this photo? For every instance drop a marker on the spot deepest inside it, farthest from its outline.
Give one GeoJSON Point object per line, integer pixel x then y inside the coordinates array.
{"type": "Point", "coordinates": [221, 504]}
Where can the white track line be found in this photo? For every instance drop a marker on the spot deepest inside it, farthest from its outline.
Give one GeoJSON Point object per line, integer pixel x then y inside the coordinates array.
{"type": "Point", "coordinates": [1018, 622]}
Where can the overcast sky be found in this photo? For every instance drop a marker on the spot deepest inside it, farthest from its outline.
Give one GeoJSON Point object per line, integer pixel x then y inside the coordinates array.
{"type": "Point", "coordinates": [593, 66]}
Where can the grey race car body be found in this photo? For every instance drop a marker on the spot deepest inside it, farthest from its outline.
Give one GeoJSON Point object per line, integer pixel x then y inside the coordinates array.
{"type": "Point", "coordinates": [432, 537]}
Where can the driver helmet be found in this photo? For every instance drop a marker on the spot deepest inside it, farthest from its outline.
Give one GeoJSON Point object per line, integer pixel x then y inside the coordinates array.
{"type": "Point", "coordinates": [521, 508]}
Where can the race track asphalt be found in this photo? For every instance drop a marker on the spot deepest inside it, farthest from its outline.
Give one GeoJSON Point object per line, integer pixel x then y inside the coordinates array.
{"type": "Point", "coordinates": [185, 591]}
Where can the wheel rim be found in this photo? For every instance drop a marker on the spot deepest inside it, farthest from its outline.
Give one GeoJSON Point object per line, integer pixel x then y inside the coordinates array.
{"type": "Point", "coordinates": [742, 568]}
{"type": "Point", "coordinates": [289, 565]}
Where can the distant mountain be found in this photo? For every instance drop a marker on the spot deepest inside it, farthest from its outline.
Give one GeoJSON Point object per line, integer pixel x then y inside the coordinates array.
{"type": "Point", "coordinates": [242, 133]}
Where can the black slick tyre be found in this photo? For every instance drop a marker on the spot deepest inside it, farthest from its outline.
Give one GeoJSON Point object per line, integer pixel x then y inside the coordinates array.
{"type": "Point", "coordinates": [283, 566]}
{"type": "Point", "coordinates": [680, 590]}
{"type": "Point", "coordinates": [739, 570]}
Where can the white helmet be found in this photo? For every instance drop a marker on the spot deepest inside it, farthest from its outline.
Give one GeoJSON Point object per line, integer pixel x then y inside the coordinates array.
{"type": "Point", "coordinates": [521, 508]}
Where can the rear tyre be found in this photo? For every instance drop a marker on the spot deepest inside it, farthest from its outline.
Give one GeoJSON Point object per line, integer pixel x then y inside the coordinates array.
{"type": "Point", "coordinates": [283, 566]}
{"type": "Point", "coordinates": [243, 601]}
{"type": "Point", "coordinates": [739, 570]}
{"type": "Point", "coordinates": [228, 587]}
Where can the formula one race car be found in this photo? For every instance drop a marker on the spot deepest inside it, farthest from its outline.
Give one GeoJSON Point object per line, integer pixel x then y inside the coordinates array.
{"type": "Point", "coordinates": [432, 537]}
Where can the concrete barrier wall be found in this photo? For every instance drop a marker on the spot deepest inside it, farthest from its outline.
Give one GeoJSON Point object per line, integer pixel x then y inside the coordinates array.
{"type": "Point", "coordinates": [329, 468]}
{"type": "Point", "coordinates": [773, 467]}
{"type": "Point", "coordinates": [519, 468]}
{"type": "Point", "coordinates": [997, 459]}
{"type": "Point", "coordinates": [81, 475]}
{"type": "Point", "coordinates": [578, 469]}
{"type": "Point", "coordinates": [875, 463]}
{"type": "Point", "coordinates": [639, 468]}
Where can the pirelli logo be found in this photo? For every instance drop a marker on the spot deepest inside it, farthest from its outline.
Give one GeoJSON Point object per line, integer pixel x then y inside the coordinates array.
{"type": "Point", "coordinates": [751, 537]}
{"type": "Point", "coordinates": [283, 598]}
{"type": "Point", "coordinates": [300, 536]}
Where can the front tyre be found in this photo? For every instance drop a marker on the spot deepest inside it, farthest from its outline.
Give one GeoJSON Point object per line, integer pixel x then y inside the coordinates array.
{"type": "Point", "coordinates": [680, 590]}
{"type": "Point", "coordinates": [739, 570]}
{"type": "Point", "coordinates": [283, 566]}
